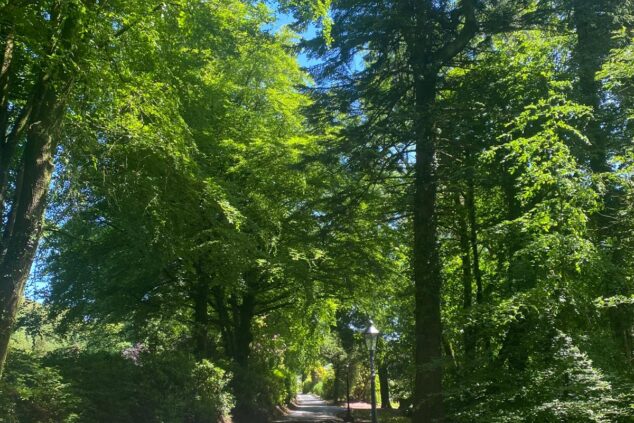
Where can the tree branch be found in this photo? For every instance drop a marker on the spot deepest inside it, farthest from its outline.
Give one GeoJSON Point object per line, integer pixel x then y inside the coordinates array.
{"type": "Point", "coordinates": [468, 31]}
{"type": "Point", "coordinates": [273, 308]}
{"type": "Point", "coordinates": [5, 66]}
{"type": "Point", "coordinates": [120, 32]}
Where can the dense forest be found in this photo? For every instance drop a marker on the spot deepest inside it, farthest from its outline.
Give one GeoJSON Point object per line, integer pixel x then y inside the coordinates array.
{"type": "Point", "coordinates": [204, 203]}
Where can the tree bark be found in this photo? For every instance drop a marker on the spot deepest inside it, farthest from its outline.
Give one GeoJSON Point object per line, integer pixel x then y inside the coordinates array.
{"type": "Point", "coordinates": [5, 67]}
{"type": "Point", "coordinates": [245, 410]}
{"type": "Point", "coordinates": [473, 230]}
{"type": "Point", "coordinates": [200, 331]}
{"type": "Point", "coordinates": [427, 56]}
{"type": "Point", "coordinates": [21, 240]}
{"type": "Point", "coordinates": [244, 330]}
{"type": "Point", "coordinates": [6, 154]}
{"type": "Point", "coordinates": [518, 272]}
{"type": "Point", "coordinates": [243, 306]}
{"type": "Point", "coordinates": [336, 388]}
{"type": "Point", "coordinates": [384, 383]}
{"type": "Point", "coordinates": [594, 23]}
{"type": "Point", "coordinates": [467, 279]}
{"type": "Point", "coordinates": [428, 404]}
{"type": "Point", "coordinates": [594, 26]}
{"type": "Point", "coordinates": [39, 123]}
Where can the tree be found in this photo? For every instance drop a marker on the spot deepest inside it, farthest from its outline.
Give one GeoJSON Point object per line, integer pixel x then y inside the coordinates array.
{"type": "Point", "coordinates": [595, 25]}
{"type": "Point", "coordinates": [46, 46]}
{"type": "Point", "coordinates": [458, 171]}
{"type": "Point", "coordinates": [404, 48]}
{"type": "Point", "coordinates": [184, 211]}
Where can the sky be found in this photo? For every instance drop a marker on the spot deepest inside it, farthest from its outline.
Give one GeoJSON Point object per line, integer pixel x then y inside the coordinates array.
{"type": "Point", "coordinates": [311, 32]}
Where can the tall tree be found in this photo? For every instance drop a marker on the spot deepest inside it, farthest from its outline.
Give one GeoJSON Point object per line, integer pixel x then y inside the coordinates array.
{"type": "Point", "coordinates": [45, 46]}
{"type": "Point", "coordinates": [388, 61]}
{"type": "Point", "coordinates": [595, 25]}
{"type": "Point", "coordinates": [186, 190]}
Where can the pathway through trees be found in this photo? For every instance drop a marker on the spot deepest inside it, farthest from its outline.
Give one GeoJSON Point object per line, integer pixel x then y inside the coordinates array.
{"type": "Point", "coordinates": [312, 409]}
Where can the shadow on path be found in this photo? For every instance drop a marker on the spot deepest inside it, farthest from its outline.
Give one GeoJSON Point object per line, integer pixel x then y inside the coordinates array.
{"type": "Point", "coordinates": [311, 408]}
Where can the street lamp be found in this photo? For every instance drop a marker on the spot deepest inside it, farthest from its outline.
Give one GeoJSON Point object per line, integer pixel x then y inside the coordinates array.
{"type": "Point", "coordinates": [371, 336]}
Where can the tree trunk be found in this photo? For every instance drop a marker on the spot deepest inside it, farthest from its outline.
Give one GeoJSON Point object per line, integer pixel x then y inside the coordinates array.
{"type": "Point", "coordinates": [473, 230]}
{"type": "Point", "coordinates": [384, 383]}
{"type": "Point", "coordinates": [244, 330]}
{"type": "Point", "coordinates": [200, 331]}
{"type": "Point", "coordinates": [467, 279]}
{"type": "Point", "coordinates": [336, 387]}
{"type": "Point", "coordinates": [519, 272]}
{"type": "Point", "coordinates": [428, 402]}
{"type": "Point", "coordinates": [23, 230]}
{"type": "Point", "coordinates": [426, 61]}
{"type": "Point", "coordinates": [244, 382]}
{"type": "Point", "coordinates": [39, 123]}
{"type": "Point", "coordinates": [594, 27]}
{"type": "Point", "coordinates": [594, 24]}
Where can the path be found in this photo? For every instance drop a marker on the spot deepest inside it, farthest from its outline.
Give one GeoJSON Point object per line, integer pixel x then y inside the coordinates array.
{"type": "Point", "coordinates": [311, 408]}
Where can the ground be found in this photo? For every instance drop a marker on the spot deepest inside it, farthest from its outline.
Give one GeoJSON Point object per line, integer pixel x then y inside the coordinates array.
{"type": "Point", "coordinates": [310, 408]}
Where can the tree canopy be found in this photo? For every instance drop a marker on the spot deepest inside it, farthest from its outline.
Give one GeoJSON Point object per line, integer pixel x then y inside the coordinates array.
{"type": "Point", "coordinates": [207, 202]}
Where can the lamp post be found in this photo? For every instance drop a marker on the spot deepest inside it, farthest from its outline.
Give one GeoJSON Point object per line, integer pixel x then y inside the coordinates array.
{"type": "Point", "coordinates": [371, 336]}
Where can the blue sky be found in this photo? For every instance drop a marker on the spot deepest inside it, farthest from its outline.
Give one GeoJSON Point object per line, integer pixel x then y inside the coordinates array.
{"type": "Point", "coordinates": [311, 31]}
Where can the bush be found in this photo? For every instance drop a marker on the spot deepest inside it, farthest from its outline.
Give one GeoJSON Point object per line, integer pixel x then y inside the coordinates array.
{"type": "Point", "coordinates": [34, 393]}
{"type": "Point", "coordinates": [212, 401]}
{"type": "Point", "coordinates": [320, 382]}
{"type": "Point", "coordinates": [560, 385]}
{"type": "Point", "coordinates": [146, 388]}
{"type": "Point", "coordinates": [259, 390]}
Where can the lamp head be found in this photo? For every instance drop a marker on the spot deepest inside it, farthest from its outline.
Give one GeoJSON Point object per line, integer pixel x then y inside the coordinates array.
{"type": "Point", "coordinates": [371, 335]}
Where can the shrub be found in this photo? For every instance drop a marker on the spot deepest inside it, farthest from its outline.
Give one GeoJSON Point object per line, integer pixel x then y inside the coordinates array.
{"type": "Point", "coordinates": [212, 401]}
{"type": "Point", "coordinates": [560, 385]}
{"type": "Point", "coordinates": [320, 382]}
{"type": "Point", "coordinates": [149, 388]}
{"type": "Point", "coordinates": [33, 392]}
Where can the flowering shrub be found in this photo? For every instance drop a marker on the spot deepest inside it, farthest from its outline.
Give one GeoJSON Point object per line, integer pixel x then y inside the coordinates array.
{"type": "Point", "coordinates": [134, 352]}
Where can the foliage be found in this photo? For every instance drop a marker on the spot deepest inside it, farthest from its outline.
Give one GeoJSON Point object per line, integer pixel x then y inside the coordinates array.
{"type": "Point", "coordinates": [320, 382]}
{"type": "Point", "coordinates": [71, 385]}
{"type": "Point", "coordinates": [223, 223]}
{"type": "Point", "coordinates": [34, 392]}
